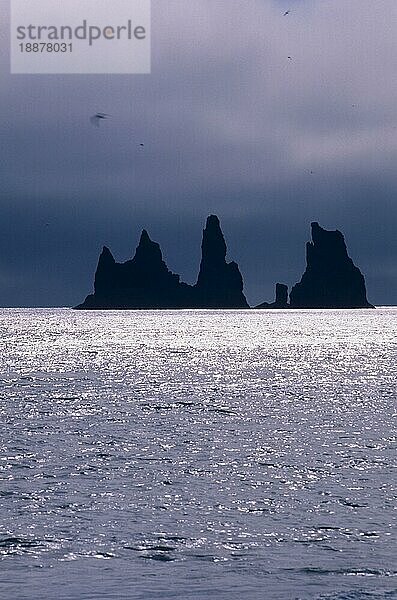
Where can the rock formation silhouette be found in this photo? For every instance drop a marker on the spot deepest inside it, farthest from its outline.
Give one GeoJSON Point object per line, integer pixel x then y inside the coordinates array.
{"type": "Point", "coordinates": [331, 279]}
{"type": "Point", "coordinates": [281, 300]}
{"type": "Point", "coordinates": [219, 284]}
{"type": "Point", "coordinates": [146, 282]}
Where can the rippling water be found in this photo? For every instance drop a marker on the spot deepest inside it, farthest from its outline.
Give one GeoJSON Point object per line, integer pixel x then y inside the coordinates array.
{"type": "Point", "coordinates": [198, 455]}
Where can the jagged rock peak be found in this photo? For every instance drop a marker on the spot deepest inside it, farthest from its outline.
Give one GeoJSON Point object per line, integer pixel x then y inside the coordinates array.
{"type": "Point", "coordinates": [145, 238]}
{"type": "Point", "coordinates": [219, 284]}
{"type": "Point", "coordinates": [213, 245]}
{"type": "Point", "coordinates": [106, 256]}
{"type": "Point", "coordinates": [330, 245]}
{"type": "Point", "coordinates": [331, 280]}
{"type": "Point", "coordinates": [147, 249]}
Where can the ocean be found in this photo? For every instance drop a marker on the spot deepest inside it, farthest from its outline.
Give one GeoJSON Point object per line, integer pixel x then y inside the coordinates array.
{"type": "Point", "coordinates": [198, 454]}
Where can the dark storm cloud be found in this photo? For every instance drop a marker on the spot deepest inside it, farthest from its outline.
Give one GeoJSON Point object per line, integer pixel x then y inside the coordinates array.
{"type": "Point", "coordinates": [230, 125]}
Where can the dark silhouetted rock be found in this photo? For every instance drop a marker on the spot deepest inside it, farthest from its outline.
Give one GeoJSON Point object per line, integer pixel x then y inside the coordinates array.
{"type": "Point", "coordinates": [143, 282]}
{"type": "Point", "coordinates": [281, 295]}
{"type": "Point", "coordinates": [146, 282]}
{"type": "Point", "coordinates": [219, 284]}
{"type": "Point", "coordinates": [331, 280]}
{"type": "Point", "coordinates": [281, 300]}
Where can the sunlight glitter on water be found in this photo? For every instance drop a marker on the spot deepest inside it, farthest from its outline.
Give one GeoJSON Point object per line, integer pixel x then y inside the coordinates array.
{"type": "Point", "coordinates": [198, 454]}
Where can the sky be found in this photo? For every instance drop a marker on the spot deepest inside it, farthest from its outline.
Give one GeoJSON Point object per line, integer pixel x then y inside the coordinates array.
{"type": "Point", "coordinates": [231, 126]}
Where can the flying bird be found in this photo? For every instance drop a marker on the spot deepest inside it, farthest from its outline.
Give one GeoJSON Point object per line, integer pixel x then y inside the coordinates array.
{"type": "Point", "coordinates": [96, 119]}
{"type": "Point", "coordinates": [289, 57]}
{"type": "Point", "coordinates": [286, 13]}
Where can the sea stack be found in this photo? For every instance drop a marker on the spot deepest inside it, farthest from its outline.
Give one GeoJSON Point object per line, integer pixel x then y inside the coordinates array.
{"type": "Point", "coordinates": [219, 284]}
{"type": "Point", "coordinates": [331, 279]}
{"type": "Point", "coordinates": [281, 300]}
{"type": "Point", "coordinates": [145, 282]}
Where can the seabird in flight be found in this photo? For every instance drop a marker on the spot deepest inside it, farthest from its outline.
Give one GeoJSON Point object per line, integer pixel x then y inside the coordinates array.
{"type": "Point", "coordinates": [96, 119]}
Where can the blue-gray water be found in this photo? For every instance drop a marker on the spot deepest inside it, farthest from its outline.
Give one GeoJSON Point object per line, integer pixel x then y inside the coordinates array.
{"type": "Point", "coordinates": [198, 454]}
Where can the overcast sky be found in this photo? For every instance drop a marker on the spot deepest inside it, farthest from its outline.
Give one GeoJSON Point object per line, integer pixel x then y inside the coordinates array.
{"type": "Point", "coordinates": [231, 126]}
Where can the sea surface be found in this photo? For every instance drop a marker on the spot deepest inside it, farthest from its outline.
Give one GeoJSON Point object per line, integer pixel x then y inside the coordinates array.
{"type": "Point", "coordinates": [198, 455]}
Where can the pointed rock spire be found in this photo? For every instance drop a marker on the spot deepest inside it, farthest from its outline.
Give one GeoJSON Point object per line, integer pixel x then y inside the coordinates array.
{"type": "Point", "coordinates": [105, 271]}
{"type": "Point", "coordinates": [219, 284]}
{"type": "Point", "coordinates": [106, 257]}
{"type": "Point", "coordinates": [148, 252]}
{"type": "Point", "coordinates": [144, 237]}
{"type": "Point", "coordinates": [213, 246]}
